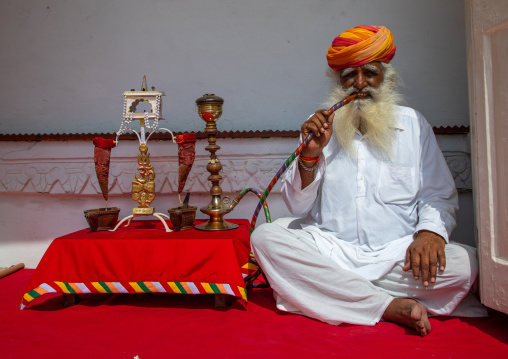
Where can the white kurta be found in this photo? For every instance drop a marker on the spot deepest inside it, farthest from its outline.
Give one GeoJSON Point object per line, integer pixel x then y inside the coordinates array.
{"type": "Point", "coordinates": [343, 262]}
{"type": "Point", "coordinates": [364, 212]}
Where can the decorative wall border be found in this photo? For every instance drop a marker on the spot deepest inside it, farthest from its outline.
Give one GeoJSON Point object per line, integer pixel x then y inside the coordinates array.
{"type": "Point", "coordinates": [76, 176]}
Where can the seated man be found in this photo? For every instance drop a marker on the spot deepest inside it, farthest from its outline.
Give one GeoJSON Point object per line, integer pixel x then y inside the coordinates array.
{"type": "Point", "coordinates": [379, 201]}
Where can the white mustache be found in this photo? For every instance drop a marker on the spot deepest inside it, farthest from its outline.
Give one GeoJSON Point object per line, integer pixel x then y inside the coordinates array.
{"type": "Point", "coordinates": [367, 89]}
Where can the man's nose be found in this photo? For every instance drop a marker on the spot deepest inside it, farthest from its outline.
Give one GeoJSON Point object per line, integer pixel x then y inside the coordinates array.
{"type": "Point", "coordinates": [360, 81]}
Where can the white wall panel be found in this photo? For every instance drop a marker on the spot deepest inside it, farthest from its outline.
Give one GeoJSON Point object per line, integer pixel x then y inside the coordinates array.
{"type": "Point", "coordinates": [65, 63]}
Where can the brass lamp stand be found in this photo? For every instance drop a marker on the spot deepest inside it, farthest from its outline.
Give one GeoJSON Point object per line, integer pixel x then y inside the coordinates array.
{"type": "Point", "coordinates": [210, 110]}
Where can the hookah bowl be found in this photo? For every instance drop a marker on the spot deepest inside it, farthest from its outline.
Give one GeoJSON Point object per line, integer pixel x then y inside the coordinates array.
{"type": "Point", "coordinates": [210, 110]}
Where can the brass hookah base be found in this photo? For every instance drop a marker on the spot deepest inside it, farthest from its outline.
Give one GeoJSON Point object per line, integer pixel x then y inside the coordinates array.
{"type": "Point", "coordinates": [216, 210]}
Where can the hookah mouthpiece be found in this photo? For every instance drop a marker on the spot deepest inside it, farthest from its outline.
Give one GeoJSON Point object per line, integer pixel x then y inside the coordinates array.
{"type": "Point", "coordinates": [341, 103]}
{"type": "Point", "coordinates": [332, 109]}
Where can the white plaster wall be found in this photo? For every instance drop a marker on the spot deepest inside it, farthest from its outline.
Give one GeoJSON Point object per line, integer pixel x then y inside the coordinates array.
{"type": "Point", "coordinates": [65, 63]}
{"type": "Point", "coordinates": [46, 186]}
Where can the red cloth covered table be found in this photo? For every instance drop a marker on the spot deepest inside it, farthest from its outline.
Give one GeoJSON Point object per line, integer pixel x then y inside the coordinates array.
{"type": "Point", "coordinates": [144, 258]}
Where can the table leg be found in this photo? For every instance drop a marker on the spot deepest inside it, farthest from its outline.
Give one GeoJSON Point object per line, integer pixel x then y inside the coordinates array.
{"type": "Point", "coordinates": [68, 300]}
{"type": "Point", "coordinates": [223, 300]}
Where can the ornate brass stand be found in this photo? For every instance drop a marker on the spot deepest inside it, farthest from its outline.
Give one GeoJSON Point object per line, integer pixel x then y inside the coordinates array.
{"type": "Point", "coordinates": [210, 110]}
{"type": "Point", "coordinates": [143, 190]}
{"type": "Point", "coordinates": [143, 187]}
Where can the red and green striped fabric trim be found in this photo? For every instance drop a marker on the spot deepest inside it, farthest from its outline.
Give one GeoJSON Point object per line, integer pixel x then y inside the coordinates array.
{"type": "Point", "coordinates": [249, 269]}
{"type": "Point", "coordinates": [133, 287]}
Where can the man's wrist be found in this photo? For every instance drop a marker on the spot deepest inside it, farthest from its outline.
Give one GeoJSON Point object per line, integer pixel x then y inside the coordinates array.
{"type": "Point", "coordinates": [307, 165]}
{"type": "Point", "coordinates": [421, 231]}
{"type": "Point", "coordinates": [311, 154]}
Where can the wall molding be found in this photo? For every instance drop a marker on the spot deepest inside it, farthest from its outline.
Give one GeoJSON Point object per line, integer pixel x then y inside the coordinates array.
{"type": "Point", "coordinates": [67, 168]}
{"type": "Point", "coordinates": [448, 130]}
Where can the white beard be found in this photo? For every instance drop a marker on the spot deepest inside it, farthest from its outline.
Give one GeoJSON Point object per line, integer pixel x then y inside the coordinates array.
{"type": "Point", "coordinates": [373, 117]}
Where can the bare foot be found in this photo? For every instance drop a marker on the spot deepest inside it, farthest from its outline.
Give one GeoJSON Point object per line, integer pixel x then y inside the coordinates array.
{"type": "Point", "coordinates": [410, 313]}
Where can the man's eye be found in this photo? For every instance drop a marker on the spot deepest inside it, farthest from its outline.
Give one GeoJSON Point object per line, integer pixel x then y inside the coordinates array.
{"type": "Point", "coordinates": [370, 73]}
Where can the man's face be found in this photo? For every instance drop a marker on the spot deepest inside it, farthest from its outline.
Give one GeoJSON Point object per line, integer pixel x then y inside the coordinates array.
{"type": "Point", "coordinates": [372, 112]}
{"type": "Point", "coordinates": [361, 78]}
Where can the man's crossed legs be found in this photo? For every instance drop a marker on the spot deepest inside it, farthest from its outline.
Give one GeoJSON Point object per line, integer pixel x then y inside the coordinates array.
{"type": "Point", "coordinates": [309, 283]}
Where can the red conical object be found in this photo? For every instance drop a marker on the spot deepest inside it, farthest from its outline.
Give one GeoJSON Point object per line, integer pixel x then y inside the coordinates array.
{"type": "Point", "coordinates": [101, 156]}
{"type": "Point", "coordinates": [186, 154]}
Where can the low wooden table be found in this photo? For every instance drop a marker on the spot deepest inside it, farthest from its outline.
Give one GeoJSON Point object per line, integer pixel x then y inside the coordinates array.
{"type": "Point", "coordinates": [144, 258]}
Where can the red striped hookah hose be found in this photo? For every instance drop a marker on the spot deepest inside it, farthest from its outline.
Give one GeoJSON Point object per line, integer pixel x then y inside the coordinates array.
{"type": "Point", "coordinates": [285, 166]}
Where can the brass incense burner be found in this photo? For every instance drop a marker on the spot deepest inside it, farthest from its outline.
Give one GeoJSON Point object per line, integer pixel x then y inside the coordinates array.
{"type": "Point", "coordinates": [210, 110]}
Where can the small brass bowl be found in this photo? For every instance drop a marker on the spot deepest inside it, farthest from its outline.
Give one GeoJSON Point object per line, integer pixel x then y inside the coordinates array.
{"type": "Point", "coordinates": [102, 219]}
{"type": "Point", "coordinates": [182, 218]}
{"type": "Point", "coordinates": [209, 107]}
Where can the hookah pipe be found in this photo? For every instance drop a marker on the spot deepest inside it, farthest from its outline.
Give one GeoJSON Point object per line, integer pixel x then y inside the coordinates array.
{"type": "Point", "coordinates": [287, 163]}
{"type": "Point", "coordinates": [249, 281]}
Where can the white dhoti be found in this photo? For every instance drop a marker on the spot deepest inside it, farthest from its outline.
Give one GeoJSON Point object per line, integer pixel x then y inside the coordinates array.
{"type": "Point", "coordinates": [308, 282]}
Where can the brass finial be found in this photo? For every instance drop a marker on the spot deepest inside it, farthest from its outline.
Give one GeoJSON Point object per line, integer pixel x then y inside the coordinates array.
{"type": "Point", "coordinates": [143, 85]}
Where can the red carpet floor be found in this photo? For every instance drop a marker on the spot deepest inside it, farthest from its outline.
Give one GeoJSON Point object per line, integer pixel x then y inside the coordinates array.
{"type": "Point", "coordinates": [181, 326]}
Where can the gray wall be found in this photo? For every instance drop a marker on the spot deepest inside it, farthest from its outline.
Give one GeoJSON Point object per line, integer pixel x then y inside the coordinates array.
{"type": "Point", "coordinates": [65, 63]}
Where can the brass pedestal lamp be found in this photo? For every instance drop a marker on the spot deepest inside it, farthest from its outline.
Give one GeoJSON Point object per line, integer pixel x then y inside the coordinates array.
{"type": "Point", "coordinates": [210, 110]}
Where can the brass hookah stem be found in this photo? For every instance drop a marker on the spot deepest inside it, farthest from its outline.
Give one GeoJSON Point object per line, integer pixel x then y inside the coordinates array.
{"type": "Point", "coordinates": [214, 166]}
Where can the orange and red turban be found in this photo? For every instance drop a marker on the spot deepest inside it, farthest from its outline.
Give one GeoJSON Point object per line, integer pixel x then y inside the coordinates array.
{"type": "Point", "coordinates": [361, 45]}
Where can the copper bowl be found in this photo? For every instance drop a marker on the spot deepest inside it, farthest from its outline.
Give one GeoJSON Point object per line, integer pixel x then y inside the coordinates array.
{"type": "Point", "coordinates": [102, 219]}
{"type": "Point", "coordinates": [182, 218]}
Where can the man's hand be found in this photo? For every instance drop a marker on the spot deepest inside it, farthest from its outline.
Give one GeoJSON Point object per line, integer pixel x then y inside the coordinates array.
{"type": "Point", "coordinates": [424, 254]}
{"type": "Point", "coordinates": [321, 125]}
